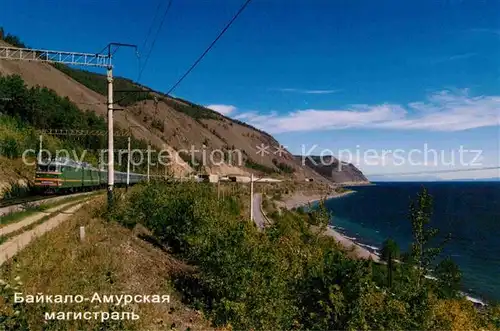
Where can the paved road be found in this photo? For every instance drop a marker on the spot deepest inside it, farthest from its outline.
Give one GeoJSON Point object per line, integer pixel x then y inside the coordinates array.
{"type": "Point", "coordinates": [258, 217]}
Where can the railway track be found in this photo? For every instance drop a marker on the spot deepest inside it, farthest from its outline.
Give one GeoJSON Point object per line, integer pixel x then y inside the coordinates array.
{"type": "Point", "coordinates": [19, 201]}
{"type": "Point", "coordinates": [19, 204]}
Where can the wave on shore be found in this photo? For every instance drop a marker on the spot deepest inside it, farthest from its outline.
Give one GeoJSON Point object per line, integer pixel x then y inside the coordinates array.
{"type": "Point", "coordinates": [376, 250]}
{"type": "Point", "coordinates": [372, 249]}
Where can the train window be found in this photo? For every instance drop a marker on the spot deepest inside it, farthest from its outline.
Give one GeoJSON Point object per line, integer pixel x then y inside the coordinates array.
{"type": "Point", "coordinates": [52, 168]}
{"type": "Point", "coordinates": [42, 167]}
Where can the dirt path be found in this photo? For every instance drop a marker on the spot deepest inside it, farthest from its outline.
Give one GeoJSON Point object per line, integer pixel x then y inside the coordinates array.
{"type": "Point", "coordinates": [16, 244]}
{"type": "Point", "coordinates": [16, 208]}
{"type": "Point", "coordinates": [32, 219]}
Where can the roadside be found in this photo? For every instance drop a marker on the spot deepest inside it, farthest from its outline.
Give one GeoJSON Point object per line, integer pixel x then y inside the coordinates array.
{"type": "Point", "coordinates": [258, 214]}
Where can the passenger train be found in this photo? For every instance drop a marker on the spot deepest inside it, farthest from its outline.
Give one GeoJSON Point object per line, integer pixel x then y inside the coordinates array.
{"type": "Point", "coordinates": [65, 175]}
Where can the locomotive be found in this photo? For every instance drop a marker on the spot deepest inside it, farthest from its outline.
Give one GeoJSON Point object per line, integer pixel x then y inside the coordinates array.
{"type": "Point", "coordinates": [65, 175]}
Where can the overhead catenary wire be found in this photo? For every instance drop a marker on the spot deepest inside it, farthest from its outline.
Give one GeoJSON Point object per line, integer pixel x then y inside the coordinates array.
{"type": "Point", "coordinates": [209, 47]}
{"type": "Point", "coordinates": [165, 13]}
{"type": "Point", "coordinates": [152, 25]}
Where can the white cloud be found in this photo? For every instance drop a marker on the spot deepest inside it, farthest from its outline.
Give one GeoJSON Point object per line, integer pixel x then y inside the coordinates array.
{"type": "Point", "coordinates": [294, 90]}
{"type": "Point", "coordinates": [493, 31]}
{"type": "Point", "coordinates": [453, 58]}
{"type": "Point", "coordinates": [441, 111]}
{"type": "Point", "coordinates": [223, 109]}
{"type": "Point", "coordinates": [461, 56]}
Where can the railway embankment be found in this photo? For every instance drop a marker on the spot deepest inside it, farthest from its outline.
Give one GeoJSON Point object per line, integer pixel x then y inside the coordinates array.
{"type": "Point", "coordinates": [18, 229]}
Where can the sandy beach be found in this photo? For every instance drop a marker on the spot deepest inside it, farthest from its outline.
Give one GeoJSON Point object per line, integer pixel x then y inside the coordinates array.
{"type": "Point", "coordinates": [299, 199]}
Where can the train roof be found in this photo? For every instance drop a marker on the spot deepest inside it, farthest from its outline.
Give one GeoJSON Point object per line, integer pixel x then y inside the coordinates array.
{"type": "Point", "coordinates": [67, 162]}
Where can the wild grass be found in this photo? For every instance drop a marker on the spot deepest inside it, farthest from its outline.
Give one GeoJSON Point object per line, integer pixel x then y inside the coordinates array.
{"type": "Point", "coordinates": [204, 248]}
{"type": "Point", "coordinates": [28, 210]}
{"type": "Point", "coordinates": [33, 208]}
{"type": "Point", "coordinates": [111, 260]}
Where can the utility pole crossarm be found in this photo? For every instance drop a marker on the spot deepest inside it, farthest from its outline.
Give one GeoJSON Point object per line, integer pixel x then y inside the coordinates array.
{"type": "Point", "coordinates": [39, 55]}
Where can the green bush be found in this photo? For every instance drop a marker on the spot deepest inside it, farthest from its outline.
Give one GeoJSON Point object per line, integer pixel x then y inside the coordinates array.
{"type": "Point", "coordinates": [285, 277]}
{"type": "Point", "coordinates": [259, 167]}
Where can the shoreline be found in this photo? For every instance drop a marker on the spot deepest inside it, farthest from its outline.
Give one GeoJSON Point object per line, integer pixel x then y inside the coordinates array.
{"type": "Point", "coordinates": [302, 200]}
{"type": "Point", "coordinates": [355, 184]}
{"type": "Point", "coordinates": [299, 199]}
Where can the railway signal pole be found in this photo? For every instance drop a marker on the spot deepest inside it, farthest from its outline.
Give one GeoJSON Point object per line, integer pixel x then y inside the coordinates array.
{"type": "Point", "coordinates": [77, 59]}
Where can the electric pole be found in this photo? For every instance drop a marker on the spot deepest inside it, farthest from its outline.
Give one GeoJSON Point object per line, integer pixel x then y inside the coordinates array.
{"type": "Point", "coordinates": [128, 162]}
{"type": "Point", "coordinates": [78, 59]}
{"type": "Point", "coordinates": [149, 159]}
{"type": "Point", "coordinates": [251, 197]}
{"type": "Point", "coordinates": [40, 151]}
{"type": "Point", "coordinates": [111, 156]}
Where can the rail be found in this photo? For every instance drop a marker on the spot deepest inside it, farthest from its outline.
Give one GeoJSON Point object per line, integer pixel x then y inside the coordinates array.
{"type": "Point", "coordinates": [15, 205]}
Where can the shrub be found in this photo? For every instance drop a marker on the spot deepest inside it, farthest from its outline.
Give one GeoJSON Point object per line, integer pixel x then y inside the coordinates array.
{"type": "Point", "coordinates": [287, 276]}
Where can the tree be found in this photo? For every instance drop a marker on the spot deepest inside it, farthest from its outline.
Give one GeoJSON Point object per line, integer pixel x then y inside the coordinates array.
{"type": "Point", "coordinates": [390, 251]}
{"type": "Point", "coordinates": [420, 216]}
{"type": "Point", "coordinates": [449, 278]}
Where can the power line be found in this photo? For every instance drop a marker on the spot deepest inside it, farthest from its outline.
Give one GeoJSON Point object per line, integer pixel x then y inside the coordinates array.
{"type": "Point", "coordinates": [155, 38]}
{"type": "Point", "coordinates": [209, 47]}
{"type": "Point", "coordinates": [152, 24]}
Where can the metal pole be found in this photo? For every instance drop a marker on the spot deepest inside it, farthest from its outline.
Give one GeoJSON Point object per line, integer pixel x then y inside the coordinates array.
{"type": "Point", "coordinates": [40, 151]}
{"type": "Point", "coordinates": [111, 161]}
{"type": "Point", "coordinates": [149, 155]}
{"type": "Point", "coordinates": [128, 162]}
{"type": "Point", "coordinates": [251, 197]}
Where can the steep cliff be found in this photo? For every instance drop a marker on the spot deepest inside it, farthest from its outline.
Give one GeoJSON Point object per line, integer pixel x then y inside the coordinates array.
{"type": "Point", "coordinates": [332, 169]}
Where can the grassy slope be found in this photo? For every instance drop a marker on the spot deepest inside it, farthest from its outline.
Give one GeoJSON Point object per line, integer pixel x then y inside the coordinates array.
{"type": "Point", "coordinates": [112, 260]}
{"type": "Point", "coordinates": [244, 275]}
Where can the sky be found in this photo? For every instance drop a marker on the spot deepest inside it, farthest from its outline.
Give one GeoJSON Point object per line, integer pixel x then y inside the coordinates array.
{"type": "Point", "coordinates": [391, 86]}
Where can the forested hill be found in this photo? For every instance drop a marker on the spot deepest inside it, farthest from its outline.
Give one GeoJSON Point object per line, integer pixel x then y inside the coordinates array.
{"type": "Point", "coordinates": [154, 117]}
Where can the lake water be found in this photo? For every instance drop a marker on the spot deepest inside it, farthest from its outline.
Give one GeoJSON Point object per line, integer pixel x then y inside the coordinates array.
{"type": "Point", "coordinates": [469, 211]}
